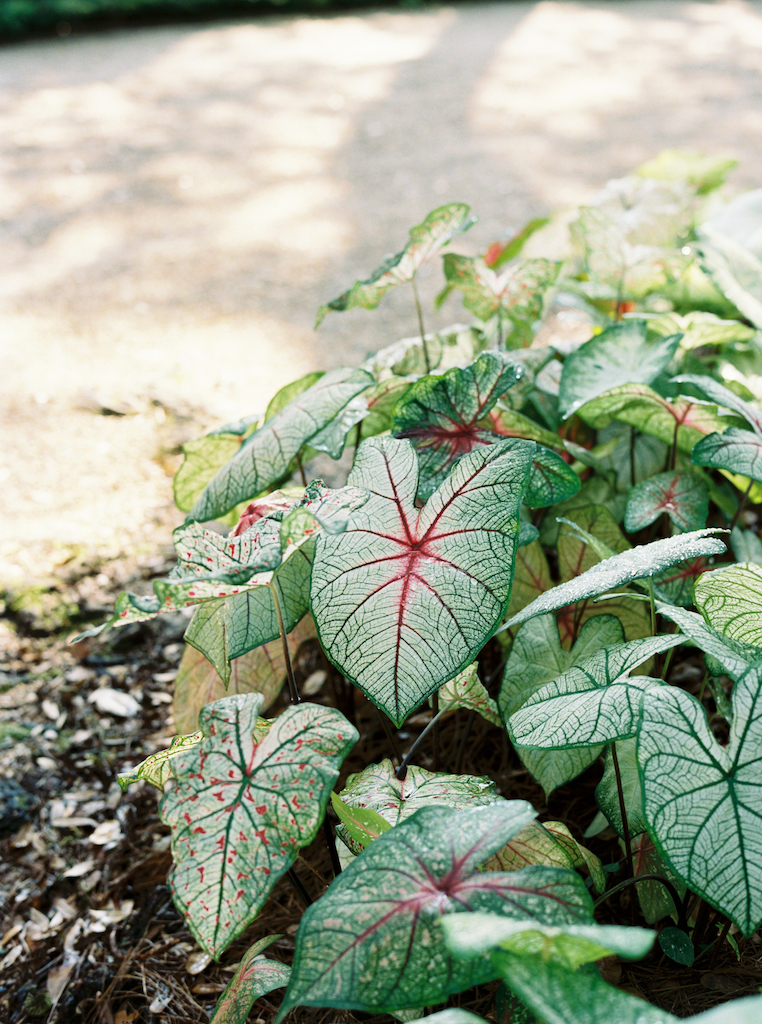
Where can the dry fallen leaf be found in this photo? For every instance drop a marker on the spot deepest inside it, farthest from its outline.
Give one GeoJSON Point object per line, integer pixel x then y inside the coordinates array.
{"type": "Point", "coordinates": [106, 832]}
{"type": "Point", "coordinates": [114, 702]}
{"type": "Point", "coordinates": [197, 961]}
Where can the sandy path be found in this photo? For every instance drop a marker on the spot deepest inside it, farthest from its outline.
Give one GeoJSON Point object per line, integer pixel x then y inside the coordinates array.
{"type": "Point", "coordinates": [176, 202]}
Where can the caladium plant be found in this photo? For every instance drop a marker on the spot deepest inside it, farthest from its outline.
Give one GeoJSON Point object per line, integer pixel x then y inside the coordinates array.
{"type": "Point", "coordinates": [474, 574]}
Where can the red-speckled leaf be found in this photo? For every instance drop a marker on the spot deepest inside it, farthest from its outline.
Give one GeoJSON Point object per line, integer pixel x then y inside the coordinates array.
{"type": "Point", "coordinates": [406, 598]}
{"type": "Point", "coordinates": [373, 941]}
{"type": "Point", "coordinates": [517, 291]}
{"type": "Point", "coordinates": [255, 977]}
{"type": "Point", "coordinates": [265, 455]}
{"type": "Point", "coordinates": [426, 239]}
{"type": "Point", "coordinates": [156, 768]}
{"type": "Point", "coordinates": [683, 496]}
{"type": "Point", "coordinates": [241, 811]}
{"type": "Point", "coordinates": [441, 414]}
{"type": "Point", "coordinates": [466, 690]}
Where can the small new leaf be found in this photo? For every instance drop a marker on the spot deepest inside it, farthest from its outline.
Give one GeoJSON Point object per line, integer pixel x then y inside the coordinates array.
{"type": "Point", "coordinates": [684, 497]}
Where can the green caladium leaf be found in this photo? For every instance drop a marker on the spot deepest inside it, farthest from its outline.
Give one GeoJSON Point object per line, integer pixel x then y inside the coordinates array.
{"type": "Point", "coordinates": [262, 670]}
{"type": "Point", "coordinates": [684, 497]}
{"type": "Point", "coordinates": [701, 329]}
{"type": "Point", "coordinates": [570, 945]}
{"type": "Point", "coordinates": [593, 702]}
{"type": "Point", "coordinates": [266, 454]}
{"type": "Point", "coordinates": [203, 459]}
{"type": "Point", "coordinates": [531, 577]}
{"type": "Point", "coordinates": [441, 415]}
{"type": "Point", "coordinates": [675, 585]}
{"type": "Point", "coordinates": [362, 824]}
{"type": "Point", "coordinates": [255, 977]}
{"type": "Point", "coordinates": [509, 423]}
{"type": "Point", "coordinates": [737, 451]}
{"type": "Point", "coordinates": [725, 397]}
{"type": "Point", "coordinates": [731, 601]}
{"type": "Point", "coordinates": [622, 354]}
{"type": "Point", "coordinates": [699, 797]}
{"type": "Point", "coordinates": [373, 941]}
{"type": "Point", "coordinates": [465, 690]}
{"type": "Point", "coordinates": [156, 768]}
{"type": "Point", "coordinates": [734, 656]}
{"type": "Point", "coordinates": [640, 406]}
{"type": "Point", "coordinates": [227, 629]}
{"type": "Point", "coordinates": [426, 239]}
{"type": "Point", "coordinates": [382, 401]}
{"type": "Point", "coordinates": [240, 811]}
{"type": "Point", "coordinates": [378, 789]}
{"type": "Point", "coordinates": [288, 393]}
{"type": "Point", "coordinates": [406, 598]}
{"type": "Point", "coordinates": [702, 173]}
{"type": "Point", "coordinates": [654, 898]}
{"type": "Point", "coordinates": [457, 345]}
{"type": "Point", "coordinates": [516, 292]}
{"type": "Point", "coordinates": [607, 792]}
{"type": "Point", "coordinates": [635, 564]}
{"type": "Point", "coordinates": [746, 545]}
{"type": "Point", "coordinates": [550, 843]}
{"type": "Point", "coordinates": [550, 480]}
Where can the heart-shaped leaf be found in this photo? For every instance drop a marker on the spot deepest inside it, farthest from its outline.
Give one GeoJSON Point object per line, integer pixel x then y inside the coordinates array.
{"type": "Point", "coordinates": [638, 563]}
{"type": "Point", "coordinates": [731, 600]}
{"type": "Point", "coordinates": [654, 897]}
{"type": "Point", "coordinates": [516, 292]}
{"type": "Point", "coordinates": [684, 497]}
{"type": "Point", "coordinates": [240, 811]}
{"type": "Point", "coordinates": [570, 945]}
{"type": "Point", "coordinates": [640, 406]}
{"type": "Point", "coordinates": [441, 415]}
{"type": "Point", "coordinates": [592, 703]}
{"type": "Point", "coordinates": [255, 977]}
{"type": "Point", "coordinates": [262, 670]}
{"type": "Point", "coordinates": [373, 941]}
{"type": "Point", "coordinates": [426, 239]}
{"type": "Point", "coordinates": [737, 451]}
{"type": "Point", "coordinates": [406, 598]}
{"type": "Point", "coordinates": [675, 585]}
{"type": "Point", "coordinates": [265, 455]}
{"type": "Point", "coordinates": [550, 843]}
{"type": "Point", "coordinates": [622, 354]}
{"type": "Point", "coordinates": [204, 457]}
{"type": "Point", "coordinates": [733, 656]}
{"type": "Point", "coordinates": [607, 790]}
{"type": "Point", "coordinates": [467, 691]}
{"type": "Point", "coordinates": [699, 797]}
{"type": "Point", "coordinates": [377, 788]}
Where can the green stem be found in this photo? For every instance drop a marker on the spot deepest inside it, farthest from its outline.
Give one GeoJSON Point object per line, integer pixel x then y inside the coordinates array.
{"type": "Point", "coordinates": [673, 457]}
{"type": "Point", "coordinates": [293, 689]}
{"type": "Point", "coordinates": [632, 456]}
{"type": "Point", "coordinates": [682, 924]}
{"type": "Point", "coordinates": [718, 942]}
{"type": "Point", "coordinates": [419, 311]}
{"type": "Point", "coordinates": [741, 506]}
{"type": "Point", "coordinates": [652, 603]}
{"type": "Point", "coordinates": [623, 812]}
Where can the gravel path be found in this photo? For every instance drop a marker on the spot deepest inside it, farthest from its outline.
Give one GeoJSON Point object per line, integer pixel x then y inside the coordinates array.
{"type": "Point", "coordinates": [177, 201]}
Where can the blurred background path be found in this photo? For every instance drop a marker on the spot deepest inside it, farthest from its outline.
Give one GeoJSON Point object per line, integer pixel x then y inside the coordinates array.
{"type": "Point", "coordinates": [177, 201]}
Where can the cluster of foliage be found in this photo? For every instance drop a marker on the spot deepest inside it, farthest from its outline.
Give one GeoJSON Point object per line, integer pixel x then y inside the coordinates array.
{"type": "Point", "coordinates": [645, 444]}
{"type": "Point", "coordinates": [23, 17]}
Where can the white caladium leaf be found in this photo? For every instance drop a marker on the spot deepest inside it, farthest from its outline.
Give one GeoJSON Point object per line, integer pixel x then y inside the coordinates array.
{"type": "Point", "coordinates": [442, 415]}
{"type": "Point", "coordinates": [426, 239]}
{"type": "Point", "coordinates": [204, 457]}
{"type": "Point", "coordinates": [466, 690]}
{"type": "Point", "coordinates": [377, 788]}
{"type": "Point", "coordinates": [731, 601]}
{"type": "Point", "coordinates": [607, 790]}
{"type": "Point", "coordinates": [684, 497]}
{"type": "Point", "coordinates": [240, 811]}
{"type": "Point", "coordinates": [594, 702]}
{"type": "Point", "coordinates": [640, 406]}
{"type": "Point", "coordinates": [265, 455]}
{"type": "Point", "coordinates": [406, 598]}
{"type": "Point", "coordinates": [373, 941]}
{"type": "Point", "coordinates": [730, 252]}
{"type": "Point", "coordinates": [725, 397]}
{"type": "Point", "coordinates": [736, 451]}
{"type": "Point", "coordinates": [699, 797]}
{"type": "Point", "coordinates": [622, 354]}
{"type": "Point", "coordinates": [570, 945]}
{"type": "Point", "coordinates": [255, 977]}
{"type": "Point", "coordinates": [733, 656]}
{"type": "Point", "coordinates": [635, 564]}
{"type": "Point", "coordinates": [537, 658]}
{"type": "Point", "coordinates": [156, 768]}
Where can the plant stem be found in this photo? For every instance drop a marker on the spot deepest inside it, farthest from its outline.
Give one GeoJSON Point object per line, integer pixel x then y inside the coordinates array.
{"type": "Point", "coordinates": [304, 896]}
{"type": "Point", "coordinates": [741, 506]}
{"type": "Point", "coordinates": [330, 842]}
{"type": "Point", "coordinates": [673, 457]}
{"type": "Point", "coordinates": [301, 471]}
{"type": "Point", "coordinates": [419, 311]}
{"type": "Point", "coordinates": [500, 326]}
{"type": "Point", "coordinates": [464, 740]}
{"type": "Point", "coordinates": [623, 811]}
{"type": "Point", "coordinates": [435, 721]}
{"type": "Point", "coordinates": [652, 604]}
{"type": "Point", "coordinates": [292, 687]}
{"type": "Point", "coordinates": [718, 942]}
{"type": "Point", "coordinates": [682, 923]}
{"type": "Point", "coordinates": [402, 770]}
{"type": "Point", "coordinates": [390, 736]}
{"type": "Point", "coordinates": [632, 456]}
